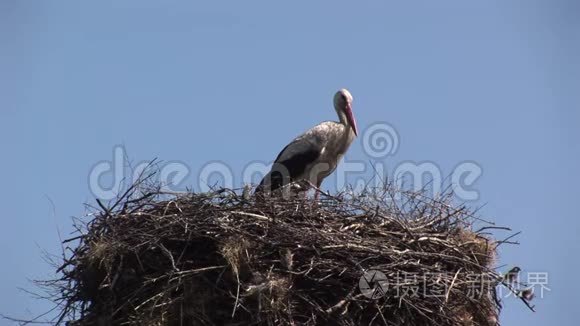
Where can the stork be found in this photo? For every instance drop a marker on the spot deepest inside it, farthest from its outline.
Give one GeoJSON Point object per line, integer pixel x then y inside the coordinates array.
{"type": "Point", "coordinates": [315, 154]}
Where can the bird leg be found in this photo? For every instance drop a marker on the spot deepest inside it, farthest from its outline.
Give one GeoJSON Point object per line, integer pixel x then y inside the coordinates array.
{"type": "Point", "coordinates": [316, 188]}
{"type": "Point", "coordinates": [317, 192]}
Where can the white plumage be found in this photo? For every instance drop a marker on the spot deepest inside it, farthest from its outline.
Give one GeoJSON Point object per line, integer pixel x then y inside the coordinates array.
{"type": "Point", "coordinates": [314, 155]}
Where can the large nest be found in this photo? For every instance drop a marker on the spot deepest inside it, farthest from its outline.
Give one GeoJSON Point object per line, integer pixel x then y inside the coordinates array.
{"type": "Point", "coordinates": [385, 257]}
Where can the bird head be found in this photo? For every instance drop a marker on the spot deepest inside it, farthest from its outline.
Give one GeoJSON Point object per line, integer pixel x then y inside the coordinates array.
{"type": "Point", "coordinates": [516, 269]}
{"type": "Point", "coordinates": [343, 105]}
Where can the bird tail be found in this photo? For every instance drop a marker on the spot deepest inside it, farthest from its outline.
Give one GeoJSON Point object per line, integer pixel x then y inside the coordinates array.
{"type": "Point", "coordinates": [270, 183]}
{"type": "Point", "coordinates": [261, 186]}
{"type": "Point", "coordinates": [260, 191]}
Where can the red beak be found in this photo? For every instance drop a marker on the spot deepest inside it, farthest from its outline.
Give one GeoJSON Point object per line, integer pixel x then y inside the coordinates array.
{"type": "Point", "coordinates": [351, 119]}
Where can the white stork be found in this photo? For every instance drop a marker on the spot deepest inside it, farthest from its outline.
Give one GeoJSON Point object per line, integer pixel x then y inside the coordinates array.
{"type": "Point", "coordinates": [314, 155]}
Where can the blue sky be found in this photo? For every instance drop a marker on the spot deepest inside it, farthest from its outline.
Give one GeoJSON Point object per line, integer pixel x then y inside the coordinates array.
{"type": "Point", "coordinates": [493, 82]}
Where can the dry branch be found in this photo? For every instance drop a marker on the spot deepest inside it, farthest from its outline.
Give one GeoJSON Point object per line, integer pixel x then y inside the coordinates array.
{"type": "Point", "coordinates": [223, 258]}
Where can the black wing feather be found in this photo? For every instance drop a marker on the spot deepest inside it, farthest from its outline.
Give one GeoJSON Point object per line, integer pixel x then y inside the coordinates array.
{"type": "Point", "coordinates": [286, 171]}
